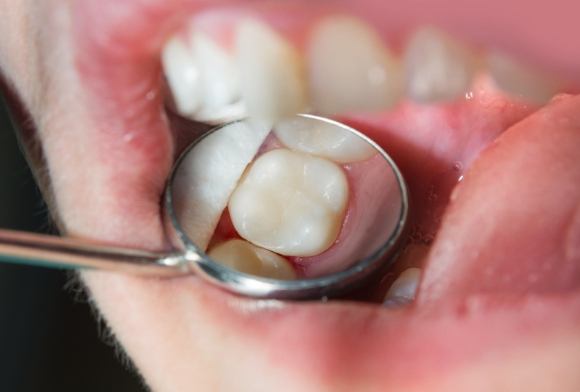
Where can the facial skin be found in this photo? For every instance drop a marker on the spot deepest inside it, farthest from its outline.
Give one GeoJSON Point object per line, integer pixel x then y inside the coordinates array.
{"type": "Point", "coordinates": [469, 330]}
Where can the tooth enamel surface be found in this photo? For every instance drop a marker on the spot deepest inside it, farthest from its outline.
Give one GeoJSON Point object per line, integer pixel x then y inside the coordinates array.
{"type": "Point", "coordinates": [405, 287]}
{"type": "Point", "coordinates": [273, 84]}
{"type": "Point", "coordinates": [183, 75]}
{"type": "Point", "coordinates": [322, 139]}
{"type": "Point", "coordinates": [290, 203]}
{"type": "Point", "coordinates": [350, 69]}
{"type": "Point", "coordinates": [438, 68]}
{"type": "Point", "coordinates": [208, 175]}
{"type": "Point", "coordinates": [250, 259]}
{"type": "Point", "coordinates": [220, 79]}
{"type": "Point", "coordinates": [521, 81]}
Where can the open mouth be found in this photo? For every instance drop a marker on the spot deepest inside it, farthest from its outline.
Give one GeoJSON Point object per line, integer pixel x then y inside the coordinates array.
{"type": "Point", "coordinates": [487, 143]}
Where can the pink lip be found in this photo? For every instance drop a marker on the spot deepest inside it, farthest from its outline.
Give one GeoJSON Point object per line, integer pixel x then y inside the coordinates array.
{"type": "Point", "coordinates": [118, 59]}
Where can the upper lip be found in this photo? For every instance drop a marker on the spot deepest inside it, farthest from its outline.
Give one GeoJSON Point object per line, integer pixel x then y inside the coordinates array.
{"type": "Point", "coordinates": [117, 56]}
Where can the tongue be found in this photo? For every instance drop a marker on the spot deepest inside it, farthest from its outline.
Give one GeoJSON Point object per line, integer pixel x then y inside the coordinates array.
{"type": "Point", "coordinates": [513, 224]}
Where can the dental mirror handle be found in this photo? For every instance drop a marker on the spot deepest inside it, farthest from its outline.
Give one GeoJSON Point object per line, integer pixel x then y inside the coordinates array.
{"type": "Point", "coordinates": [69, 253]}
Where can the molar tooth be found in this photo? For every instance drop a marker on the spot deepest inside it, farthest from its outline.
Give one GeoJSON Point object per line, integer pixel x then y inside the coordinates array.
{"type": "Point", "coordinates": [290, 203]}
{"type": "Point", "coordinates": [350, 69]}
{"type": "Point", "coordinates": [182, 73]}
{"type": "Point", "coordinates": [250, 259]}
{"type": "Point", "coordinates": [273, 83]}
{"type": "Point", "coordinates": [323, 139]}
{"type": "Point", "coordinates": [522, 81]}
{"type": "Point", "coordinates": [404, 288]}
{"type": "Point", "coordinates": [438, 67]}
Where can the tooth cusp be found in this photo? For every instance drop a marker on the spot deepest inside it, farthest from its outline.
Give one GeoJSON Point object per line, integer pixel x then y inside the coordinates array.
{"type": "Point", "coordinates": [404, 288]}
{"type": "Point", "coordinates": [438, 67]}
{"type": "Point", "coordinates": [183, 75]}
{"type": "Point", "coordinates": [245, 257]}
{"type": "Point", "coordinates": [350, 69]}
{"type": "Point", "coordinates": [273, 84]}
{"type": "Point", "coordinates": [323, 139]}
{"type": "Point", "coordinates": [290, 203]}
{"type": "Point", "coordinates": [516, 79]}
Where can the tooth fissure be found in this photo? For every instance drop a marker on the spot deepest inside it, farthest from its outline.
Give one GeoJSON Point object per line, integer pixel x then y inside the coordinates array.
{"type": "Point", "coordinates": [290, 203]}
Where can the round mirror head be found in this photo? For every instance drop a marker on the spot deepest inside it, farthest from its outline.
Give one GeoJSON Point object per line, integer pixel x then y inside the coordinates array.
{"type": "Point", "coordinates": [306, 208]}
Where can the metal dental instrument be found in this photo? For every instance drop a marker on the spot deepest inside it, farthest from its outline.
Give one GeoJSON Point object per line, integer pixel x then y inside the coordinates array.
{"type": "Point", "coordinates": [374, 250]}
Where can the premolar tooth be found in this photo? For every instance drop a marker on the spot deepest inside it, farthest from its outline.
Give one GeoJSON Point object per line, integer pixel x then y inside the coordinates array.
{"type": "Point", "coordinates": [290, 203]}
{"type": "Point", "coordinates": [272, 77]}
{"type": "Point", "coordinates": [219, 75]}
{"type": "Point", "coordinates": [403, 289]}
{"type": "Point", "coordinates": [250, 259]}
{"type": "Point", "coordinates": [183, 75]}
{"type": "Point", "coordinates": [438, 68]}
{"type": "Point", "coordinates": [323, 139]}
{"type": "Point", "coordinates": [519, 80]}
{"type": "Point", "coordinates": [350, 69]}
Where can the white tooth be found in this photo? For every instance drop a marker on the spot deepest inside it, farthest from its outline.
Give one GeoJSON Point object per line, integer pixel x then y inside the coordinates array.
{"type": "Point", "coordinates": [350, 69]}
{"type": "Point", "coordinates": [183, 76]}
{"type": "Point", "coordinates": [272, 80]}
{"type": "Point", "coordinates": [208, 175]}
{"type": "Point", "coordinates": [403, 289]}
{"type": "Point", "coordinates": [219, 75]}
{"type": "Point", "coordinates": [438, 67]}
{"type": "Point", "coordinates": [250, 259]}
{"type": "Point", "coordinates": [290, 203]}
{"type": "Point", "coordinates": [323, 139]}
{"type": "Point", "coordinates": [521, 81]}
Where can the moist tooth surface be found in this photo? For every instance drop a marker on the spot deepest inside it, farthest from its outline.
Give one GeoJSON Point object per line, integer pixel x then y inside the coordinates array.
{"type": "Point", "coordinates": [522, 81]}
{"type": "Point", "coordinates": [290, 203]}
{"type": "Point", "coordinates": [437, 67]}
{"type": "Point", "coordinates": [272, 84]}
{"type": "Point", "coordinates": [183, 76]}
{"type": "Point", "coordinates": [349, 68]}
{"type": "Point", "coordinates": [250, 259]}
{"type": "Point", "coordinates": [323, 139]}
{"type": "Point", "coordinates": [209, 173]}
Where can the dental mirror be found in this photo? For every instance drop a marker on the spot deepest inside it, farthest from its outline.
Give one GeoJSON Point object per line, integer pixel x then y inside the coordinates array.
{"type": "Point", "coordinates": [304, 209]}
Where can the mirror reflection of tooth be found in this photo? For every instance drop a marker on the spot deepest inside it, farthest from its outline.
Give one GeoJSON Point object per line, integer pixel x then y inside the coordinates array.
{"type": "Point", "coordinates": [323, 139]}
{"type": "Point", "coordinates": [522, 81]}
{"type": "Point", "coordinates": [273, 84]}
{"type": "Point", "coordinates": [290, 203]}
{"type": "Point", "coordinates": [208, 175]}
{"type": "Point", "coordinates": [250, 259]}
{"type": "Point", "coordinates": [183, 75]}
{"type": "Point", "coordinates": [350, 69]}
{"type": "Point", "coordinates": [438, 67]}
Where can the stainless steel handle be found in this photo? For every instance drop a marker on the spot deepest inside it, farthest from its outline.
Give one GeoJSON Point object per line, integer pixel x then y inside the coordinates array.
{"type": "Point", "coordinates": [71, 253]}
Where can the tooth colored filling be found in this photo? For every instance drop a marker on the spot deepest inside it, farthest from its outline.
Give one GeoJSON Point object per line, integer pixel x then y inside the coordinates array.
{"type": "Point", "coordinates": [290, 203]}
